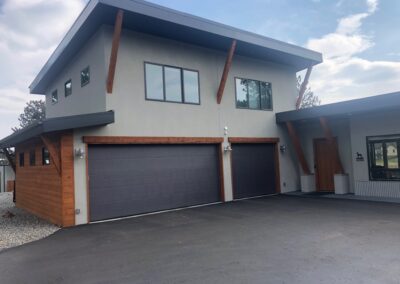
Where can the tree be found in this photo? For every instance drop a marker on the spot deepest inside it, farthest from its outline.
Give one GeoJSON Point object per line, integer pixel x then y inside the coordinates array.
{"type": "Point", "coordinates": [309, 98]}
{"type": "Point", "coordinates": [34, 111]}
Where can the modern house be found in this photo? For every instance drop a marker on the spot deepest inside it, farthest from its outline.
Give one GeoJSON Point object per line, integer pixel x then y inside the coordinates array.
{"type": "Point", "coordinates": [150, 109]}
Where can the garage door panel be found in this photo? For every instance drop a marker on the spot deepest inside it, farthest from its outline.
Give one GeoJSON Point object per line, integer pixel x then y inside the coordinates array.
{"type": "Point", "coordinates": [253, 170]}
{"type": "Point", "coordinates": [134, 179]}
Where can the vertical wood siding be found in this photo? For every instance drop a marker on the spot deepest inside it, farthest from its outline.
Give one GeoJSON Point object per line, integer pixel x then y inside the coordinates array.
{"type": "Point", "coordinates": [40, 189]}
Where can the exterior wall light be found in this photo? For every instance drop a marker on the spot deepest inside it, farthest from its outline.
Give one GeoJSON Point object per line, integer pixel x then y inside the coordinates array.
{"type": "Point", "coordinates": [282, 148]}
{"type": "Point", "coordinates": [80, 153]}
{"type": "Point", "coordinates": [227, 148]}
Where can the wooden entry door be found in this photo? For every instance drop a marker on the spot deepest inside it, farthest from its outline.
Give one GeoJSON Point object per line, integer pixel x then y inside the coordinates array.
{"type": "Point", "coordinates": [325, 164]}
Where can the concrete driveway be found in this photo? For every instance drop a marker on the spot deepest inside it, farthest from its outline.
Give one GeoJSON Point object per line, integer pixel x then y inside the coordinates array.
{"type": "Point", "coordinates": [277, 239]}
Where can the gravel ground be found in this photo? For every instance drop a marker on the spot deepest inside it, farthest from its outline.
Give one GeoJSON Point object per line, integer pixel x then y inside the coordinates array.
{"type": "Point", "coordinates": [22, 227]}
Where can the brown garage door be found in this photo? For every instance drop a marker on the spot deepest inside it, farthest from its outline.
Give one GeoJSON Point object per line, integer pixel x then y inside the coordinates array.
{"type": "Point", "coordinates": [128, 180]}
{"type": "Point", "coordinates": [253, 170]}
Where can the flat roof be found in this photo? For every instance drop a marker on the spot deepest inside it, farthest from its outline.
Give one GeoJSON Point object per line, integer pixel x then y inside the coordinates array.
{"type": "Point", "coordinates": [346, 108]}
{"type": "Point", "coordinates": [57, 124]}
{"type": "Point", "coordinates": [157, 20]}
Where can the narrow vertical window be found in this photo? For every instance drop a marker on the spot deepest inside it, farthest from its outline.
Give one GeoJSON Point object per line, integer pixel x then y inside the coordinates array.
{"type": "Point", "coordinates": [54, 97]}
{"type": "Point", "coordinates": [45, 157]}
{"type": "Point", "coordinates": [154, 82]}
{"type": "Point", "coordinates": [21, 159]}
{"type": "Point", "coordinates": [85, 76]}
{"type": "Point", "coordinates": [191, 87]}
{"type": "Point", "coordinates": [241, 93]}
{"type": "Point", "coordinates": [32, 158]}
{"type": "Point", "coordinates": [68, 88]}
{"type": "Point", "coordinates": [173, 84]}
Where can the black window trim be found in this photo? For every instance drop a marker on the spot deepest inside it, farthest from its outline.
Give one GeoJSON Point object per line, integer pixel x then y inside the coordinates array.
{"type": "Point", "coordinates": [382, 139]}
{"type": "Point", "coordinates": [65, 88]}
{"type": "Point", "coordinates": [51, 96]}
{"type": "Point", "coordinates": [86, 83]}
{"type": "Point", "coordinates": [182, 83]}
{"type": "Point", "coordinates": [247, 95]}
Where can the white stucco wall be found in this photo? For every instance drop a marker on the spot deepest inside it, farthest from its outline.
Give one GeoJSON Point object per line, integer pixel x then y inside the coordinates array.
{"type": "Point", "coordinates": [134, 116]}
{"type": "Point", "coordinates": [89, 98]}
{"type": "Point", "coordinates": [373, 124]}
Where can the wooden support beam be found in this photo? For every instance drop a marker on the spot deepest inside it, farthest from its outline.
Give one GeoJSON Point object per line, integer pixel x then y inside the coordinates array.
{"type": "Point", "coordinates": [297, 147]}
{"type": "Point", "coordinates": [54, 153]}
{"type": "Point", "coordinates": [227, 67]}
{"type": "Point", "coordinates": [303, 87]}
{"type": "Point", "coordinates": [329, 136]}
{"type": "Point", "coordinates": [9, 158]}
{"type": "Point", "coordinates": [114, 51]}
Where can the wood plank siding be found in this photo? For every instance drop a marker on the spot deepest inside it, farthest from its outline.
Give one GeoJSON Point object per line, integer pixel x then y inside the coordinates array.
{"type": "Point", "coordinates": [40, 189]}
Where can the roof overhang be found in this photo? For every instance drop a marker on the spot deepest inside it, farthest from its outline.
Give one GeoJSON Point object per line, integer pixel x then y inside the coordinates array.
{"type": "Point", "coordinates": [57, 124]}
{"type": "Point", "coordinates": [159, 21]}
{"type": "Point", "coordinates": [384, 102]}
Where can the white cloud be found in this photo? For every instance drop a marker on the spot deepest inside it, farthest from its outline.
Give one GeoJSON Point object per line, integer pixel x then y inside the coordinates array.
{"type": "Point", "coordinates": [29, 31]}
{"type": "Point", "coordinates": [344, 74]}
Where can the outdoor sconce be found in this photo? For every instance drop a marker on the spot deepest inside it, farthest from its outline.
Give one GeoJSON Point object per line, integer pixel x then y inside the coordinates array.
{"type": "Point", "coordinates": [80, 153]}
{"type": "Point", "coordinates": [282, 148]}
{"type": "Point", "coordinates": [227, 148]}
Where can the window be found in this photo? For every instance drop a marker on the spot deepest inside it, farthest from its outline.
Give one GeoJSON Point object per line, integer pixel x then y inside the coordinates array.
{"type": "Point", "coordinates": [85, 76]}
{"type": "Point", "coordinates": [54, 97]}
{"type": "Point", "coordinates": [45, 157]}
{"type": "Point", "coordinates": [171, 84]}
{"type": "Point", "coordinates": [32, 158]}
{"type": "Point", "coordinates": [21, 159]}
{"type": "Point", "coordinates": [68, 88]}
{"type": "Point", "coordinates": [252, 94]}
{"type": "Point", "coordinates": [383, 157]}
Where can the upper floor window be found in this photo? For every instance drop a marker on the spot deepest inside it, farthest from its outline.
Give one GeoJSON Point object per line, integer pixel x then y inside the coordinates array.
{"type": "Point", "coordinates": [21, 159]}
{"type": "Point", "coordinates": [32, 158]}
{"type": "Point", "coordinates": [253, 94]}
{"type": "Point", "coordinates": [85, 76]}
{"type": "Point", "coordinates": [68, 88]}
{"type": "Point", "coordinates": [54, 97]}
{"type": "Point", "coordinates": [383, 157]}
{"type": "Point", "coordinates": [171, 84]}
{"type": "Point", "coordinates": [45, 157]}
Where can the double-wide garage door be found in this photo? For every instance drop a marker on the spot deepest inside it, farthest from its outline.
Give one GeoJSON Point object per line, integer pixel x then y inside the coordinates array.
{"type": "Point", "coordinates": [134, 179]}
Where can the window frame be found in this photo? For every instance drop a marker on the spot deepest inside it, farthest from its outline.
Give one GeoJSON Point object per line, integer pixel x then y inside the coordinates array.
{"type": "Point", "coordinates": [181, 69]}
{"type": "Point", "coordinates": [65, 88]}
{"type": "Point", "coordinates": [32, 153]}
{"type": "Point", "coordinates": [51, 96]}
{"type": "Point", "coordinates": [370, 140]}
{"type": "Point", "coordinates": [43, 159]}
{"type": "Point", "coordinates": [247, 95]}
{"type": "Point", "coordinates": [80, 75]}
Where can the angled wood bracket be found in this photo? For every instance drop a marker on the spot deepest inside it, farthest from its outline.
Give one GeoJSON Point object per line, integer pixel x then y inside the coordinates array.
{"type": "Point", "coordinates": [227, 67]}
{"type": "Point", "coordinates": [328, 135]}
{"type": "Point", "coordinates": [303, 87]}
{"type": "Point", "coordinates": [297, 147]}
{"type": "Point", "coordinates": [9, 158]}
{"type": "Point", "coordinates": [114, 51]}
{"type": "Point", "coordinates": [55, 155]}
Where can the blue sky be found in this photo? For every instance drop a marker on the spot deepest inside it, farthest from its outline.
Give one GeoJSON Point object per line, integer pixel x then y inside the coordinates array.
{"type": "Point", "coordinates": [359, 40]}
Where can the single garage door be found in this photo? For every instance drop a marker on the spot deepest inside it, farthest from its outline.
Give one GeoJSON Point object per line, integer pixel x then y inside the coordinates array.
{"type": "Point", "coordinates": [128, 180]}
{"type": "Point", "coordinates": [253, 170]}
